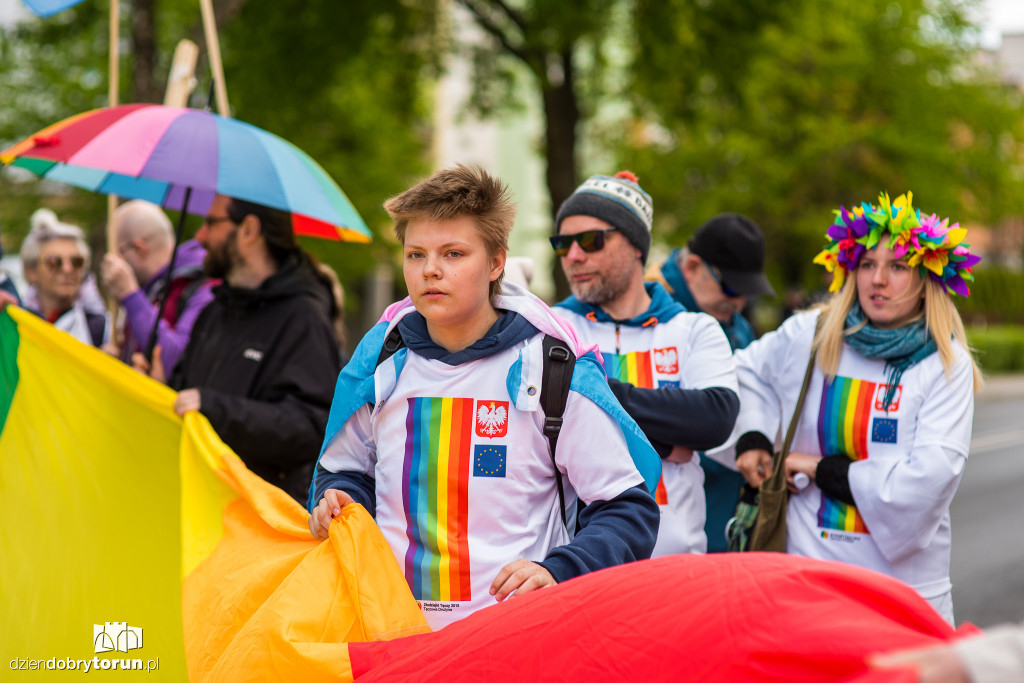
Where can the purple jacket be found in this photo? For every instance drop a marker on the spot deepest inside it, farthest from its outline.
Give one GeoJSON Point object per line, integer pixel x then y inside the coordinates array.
{"type": "Point", "coordinates": [140, 308]}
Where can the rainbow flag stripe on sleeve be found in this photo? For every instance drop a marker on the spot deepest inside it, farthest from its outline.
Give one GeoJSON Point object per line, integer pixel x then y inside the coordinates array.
{"type": "Point", "coordinates": [438, 451]}
{"type": "Point", "coordinates": [633, 368]}
{"type": "Point", "coordinates": [843, 422]}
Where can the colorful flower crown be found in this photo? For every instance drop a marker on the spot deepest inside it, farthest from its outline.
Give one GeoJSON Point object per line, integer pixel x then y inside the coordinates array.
{"type": "Point", "coordinates": [935, 247]}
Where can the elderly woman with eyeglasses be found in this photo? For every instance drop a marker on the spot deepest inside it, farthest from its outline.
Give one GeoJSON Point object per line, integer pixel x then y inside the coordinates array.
{"type": "Point", "coordinates": [54, 256]}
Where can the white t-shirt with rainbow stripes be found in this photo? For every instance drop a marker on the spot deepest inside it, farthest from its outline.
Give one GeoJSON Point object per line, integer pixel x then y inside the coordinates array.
{"type": "Point", "coordinates": [464, 478]}
{"type": "Point", "coordinates": [907, 461]}
{"type": "Point", "coordinates": [689, 351]}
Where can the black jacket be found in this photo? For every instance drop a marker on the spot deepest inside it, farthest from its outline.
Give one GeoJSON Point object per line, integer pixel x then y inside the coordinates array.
{"type": "Point", "coordinates": [265, 362]}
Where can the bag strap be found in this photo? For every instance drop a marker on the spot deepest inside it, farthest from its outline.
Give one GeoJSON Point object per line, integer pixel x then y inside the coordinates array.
{"type": "Point", "coordinates": [791, 432]}
{"type": "Point", "coordinates": [392, 343]}
{"type": "Point", "coordinates": [559, 363]}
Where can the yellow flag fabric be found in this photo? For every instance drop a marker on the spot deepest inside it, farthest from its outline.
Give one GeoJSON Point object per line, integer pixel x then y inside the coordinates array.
{"type": "Point", "coordinates": [135, 539]}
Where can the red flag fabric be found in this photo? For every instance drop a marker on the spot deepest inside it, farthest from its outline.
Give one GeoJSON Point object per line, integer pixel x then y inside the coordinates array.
{"type": "Point", "coordinates": [728, 617]}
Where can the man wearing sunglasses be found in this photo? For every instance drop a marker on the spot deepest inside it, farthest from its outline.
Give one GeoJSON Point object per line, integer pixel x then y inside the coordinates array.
{"type": "Point", "coordinates": [672, 370]}
{"type": "Point", "coordinates": [720, 269]}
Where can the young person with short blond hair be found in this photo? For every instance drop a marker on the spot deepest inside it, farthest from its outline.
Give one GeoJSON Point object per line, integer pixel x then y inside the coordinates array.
{"type": "Point", "coordinates": [443, 441]}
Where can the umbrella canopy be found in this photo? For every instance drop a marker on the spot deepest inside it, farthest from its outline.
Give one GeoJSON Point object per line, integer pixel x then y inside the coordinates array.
{"type": "Point", "coordinates": [156, 153]}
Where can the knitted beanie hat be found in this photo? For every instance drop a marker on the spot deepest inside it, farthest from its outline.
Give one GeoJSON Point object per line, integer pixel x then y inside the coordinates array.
{"type": "Point", "coordinates": [619, 201]}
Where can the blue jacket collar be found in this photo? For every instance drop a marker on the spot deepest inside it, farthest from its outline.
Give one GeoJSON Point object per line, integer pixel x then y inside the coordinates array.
{"type": "Point", "coordinates": [509, 329]}
{"type": "Point", "coordinates": [662, 309]}
{"type": "Point", "coordinates": [674, 277]}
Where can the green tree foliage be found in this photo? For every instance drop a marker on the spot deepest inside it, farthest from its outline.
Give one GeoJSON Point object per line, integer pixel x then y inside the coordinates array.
{"type": "Point", "coordinates": [563, 47]}
{"type": "Point", "coordinates": [345, 83]}
{"type": "Point", "coordinates": [342, 81]}
{"type": "Point", "coordinates": [785, 111]}
{"type": "Point", "coordinates": [50, 70]}
{"type": "Point", "coordinates": [997, 296]}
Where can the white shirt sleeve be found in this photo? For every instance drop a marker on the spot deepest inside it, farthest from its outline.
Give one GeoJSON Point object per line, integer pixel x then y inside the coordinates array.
{"type": "Point", "coordinates": [903, 501]}
{"type": "Point", "coordinates": [995, 655]}
{"type": "Point", "coordinates": [353, 448]}
{"type": "Point", "coordinates": [710, 361]}
{"type": "Point", "coordinates": [592, 452]}
{"type": "Point", "coordinates": [767, 369]}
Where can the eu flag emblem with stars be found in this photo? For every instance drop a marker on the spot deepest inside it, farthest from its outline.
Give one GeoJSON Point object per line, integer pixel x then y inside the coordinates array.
{"type": "Point", "coordinates": [489, 460]}
{"type": "Point", "coordinates": [883, 430]}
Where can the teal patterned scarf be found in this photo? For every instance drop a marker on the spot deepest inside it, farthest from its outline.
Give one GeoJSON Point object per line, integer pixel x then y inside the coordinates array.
{"type": "Point", "coordinates": [899, 347]}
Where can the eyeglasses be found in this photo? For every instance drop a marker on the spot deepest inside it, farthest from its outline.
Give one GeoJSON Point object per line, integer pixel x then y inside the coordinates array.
{"type": "Point", "coordinates": [589, 241]}
{"type": "Point", "coordinates": [56, 263]}
{"type": "Point", "coordinates": [726, 289]}
{"type": "Point", "coordinates": [211, 221]}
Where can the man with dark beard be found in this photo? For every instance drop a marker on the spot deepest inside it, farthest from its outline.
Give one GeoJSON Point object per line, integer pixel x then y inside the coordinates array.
{"type": "Point", "coordinates": [672, 371]}
{"type": "Point", "coordinates": [263, 357]}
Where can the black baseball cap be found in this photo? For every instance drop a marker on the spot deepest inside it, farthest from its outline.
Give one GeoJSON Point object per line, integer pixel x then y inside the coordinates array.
{"type": "Point", "coordinates": [734, 245]}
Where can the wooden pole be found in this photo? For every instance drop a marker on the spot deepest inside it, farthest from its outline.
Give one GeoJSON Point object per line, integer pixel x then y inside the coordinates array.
{"type": "Point", "coordinates": [113, 77]}
{"type": "Point", "coordinates": [213, 46]}
{"type": "Point", "coordinates": [181, 80]}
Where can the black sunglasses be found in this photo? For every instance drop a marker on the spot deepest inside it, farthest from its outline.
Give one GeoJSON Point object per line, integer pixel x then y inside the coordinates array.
{"type": "Point", "coordinates": [589, 241]}
{"type": "Point", "coordinates": [726, 289]}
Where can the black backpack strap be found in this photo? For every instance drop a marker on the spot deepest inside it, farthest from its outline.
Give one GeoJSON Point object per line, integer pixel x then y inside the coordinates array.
{"type": "Point", "coordinates": [392, 343]}
{"type": "Point", "coordinates": [559, 363]}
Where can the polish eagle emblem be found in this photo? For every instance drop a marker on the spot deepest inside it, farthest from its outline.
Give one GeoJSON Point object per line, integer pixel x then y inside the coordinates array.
{"type": "Point", "coordinates": [666, 361]}
{"type": "Point", "coordinates": [880, 397]}
{"type": "Point", "coordinates": [492, 418]}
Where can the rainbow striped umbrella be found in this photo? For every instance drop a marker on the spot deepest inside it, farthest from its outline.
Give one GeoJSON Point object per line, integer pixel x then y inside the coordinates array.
{"type": "Point", "coordinates": [165, 154]}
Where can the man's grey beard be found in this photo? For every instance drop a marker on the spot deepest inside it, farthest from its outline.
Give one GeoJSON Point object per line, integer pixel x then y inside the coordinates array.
{"type": "Point", "coordinates": [594, 294]}
{"type": "Point", "coordinates": [604, 289]}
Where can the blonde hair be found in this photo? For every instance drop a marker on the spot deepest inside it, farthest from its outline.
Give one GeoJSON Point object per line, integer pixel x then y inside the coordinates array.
{"type": "Point", "coordinates": [453, 193]}
{"type": "Point", "coordinates": [940, 316]}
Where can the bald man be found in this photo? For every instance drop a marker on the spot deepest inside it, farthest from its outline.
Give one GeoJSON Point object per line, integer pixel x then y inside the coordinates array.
{"type": "Point", "coordinates": [145, 241]}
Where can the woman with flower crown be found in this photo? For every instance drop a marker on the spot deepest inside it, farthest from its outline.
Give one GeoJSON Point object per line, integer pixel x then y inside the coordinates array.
{"type": "Point", "coordinates": [884, 433]}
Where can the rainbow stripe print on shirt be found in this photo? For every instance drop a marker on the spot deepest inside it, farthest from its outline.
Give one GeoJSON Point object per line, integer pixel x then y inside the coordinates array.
{"type": "Point", "coordinates": [843, 422]}
{"type": "Point", "coordinates": [435, 476]}
{"type": "Point", "coordinates": [633, 368]}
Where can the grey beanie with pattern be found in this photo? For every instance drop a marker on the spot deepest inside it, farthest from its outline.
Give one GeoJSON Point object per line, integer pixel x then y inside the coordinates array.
{"type": "Point", "coordinates": [619, 201]}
